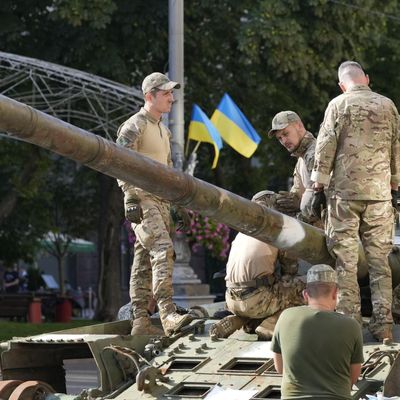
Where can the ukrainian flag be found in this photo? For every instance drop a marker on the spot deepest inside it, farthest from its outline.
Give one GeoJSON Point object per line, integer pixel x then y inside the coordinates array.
{"type": "Point", "coordinates": [234, 127]}
{"type": "Point", "coordinates": [202, 130]}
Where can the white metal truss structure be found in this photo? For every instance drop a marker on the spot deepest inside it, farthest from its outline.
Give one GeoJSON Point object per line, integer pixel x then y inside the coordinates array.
{"type": "Point", "coordinates": [93, 103]}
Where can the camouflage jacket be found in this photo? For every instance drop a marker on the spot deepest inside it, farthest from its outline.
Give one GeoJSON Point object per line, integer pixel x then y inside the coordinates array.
{"type": "Point", "coordinates": [358, 151]}
{"type": "Point", "coordinates": [302, 184]}
{"type": "Point", "coordinates": [146, 135]}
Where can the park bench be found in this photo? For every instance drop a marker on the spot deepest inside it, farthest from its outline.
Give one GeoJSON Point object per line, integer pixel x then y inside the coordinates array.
{"type": "Point", "coordinates": [15, 305]}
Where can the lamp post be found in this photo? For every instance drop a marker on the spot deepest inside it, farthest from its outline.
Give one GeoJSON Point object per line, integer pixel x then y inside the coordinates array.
{"type": "Point", "coordinates": [183, 275]}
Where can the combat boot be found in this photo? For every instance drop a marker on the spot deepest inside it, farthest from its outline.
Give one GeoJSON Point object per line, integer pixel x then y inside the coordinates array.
{"type": "Point", "coordinates": [226, 326]}
{"type": "Point", "coordinates": [383, 334]}
{"type": "Point", "coordinates": [171, 321]}
{"type": "Point", "coordinates": [265, 330]}
{"type": "Point", "coordinates": [143, 326]}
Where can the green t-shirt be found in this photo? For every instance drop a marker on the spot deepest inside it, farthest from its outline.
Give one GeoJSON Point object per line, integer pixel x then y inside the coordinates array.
{"type": "Point", "coordinates": [317, 349]}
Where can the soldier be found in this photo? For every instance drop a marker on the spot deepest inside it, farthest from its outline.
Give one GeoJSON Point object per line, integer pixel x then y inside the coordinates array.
{"type": "Point", "coordinates": [255, 294]}
{"type": "Point", "coordinates": [357, 158]}
{"type": "Point", "coordinates": [289, 130]}
{"type": "Point", "coordinates": [302, 334]}
{"type": "Point", "coordinates": [150, 216]}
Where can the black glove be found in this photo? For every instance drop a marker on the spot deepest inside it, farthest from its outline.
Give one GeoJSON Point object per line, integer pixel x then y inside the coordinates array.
{"type": "Point", "coordinates": [133, 211]}
{"type": "Point", "coordinates": [287, 202]}
{"type": "Point", "coordinates": [395, 195]}
{"type": "Point", "coordinates": [318, 203]}
{"type": "Point", "coordinates": [181, 218]}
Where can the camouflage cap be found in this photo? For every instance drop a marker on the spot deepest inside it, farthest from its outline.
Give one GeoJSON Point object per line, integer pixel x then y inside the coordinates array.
{"type": "Point", "coordinates": [265, 197]}
{"type": "Point", "coordinates": [159, 81]}
{"type": "Point", "coordinates": [282, 120]}
{"type": "Point", "coordinates": [321, 273]}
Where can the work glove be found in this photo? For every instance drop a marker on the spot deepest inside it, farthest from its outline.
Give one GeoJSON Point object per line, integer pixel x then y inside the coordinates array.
{"type": "Point", "coordinates": [133, 211]}
{"type": "Point", "coordinates": [395, 195]}
{"type": "Point", "coordinates": [318, 203]}
{"type": "Point", "coordinates": [287, 202]}
{"type": "Point", "coordinates": [181, 218]}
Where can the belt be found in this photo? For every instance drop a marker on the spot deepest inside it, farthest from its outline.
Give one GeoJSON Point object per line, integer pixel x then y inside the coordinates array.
{"type": "Point", "coordinates": [266, 280]}
{"type": "Point", "coordinates": [240, 294]}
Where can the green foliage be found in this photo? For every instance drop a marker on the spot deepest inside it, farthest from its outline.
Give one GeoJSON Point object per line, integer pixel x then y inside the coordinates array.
{"type": "Point", "coordinates": [72, 205]}
{"type": "Point", "coordinates": [97, 13]}
{"type": "Point", "coordinates": [22, 194]}
{"type": "Point", "coordinates": [268, 55]}
{"type": "Point", "coordinates": [271, 56]}
{"type": "Point", "coordinates": [8, 330]}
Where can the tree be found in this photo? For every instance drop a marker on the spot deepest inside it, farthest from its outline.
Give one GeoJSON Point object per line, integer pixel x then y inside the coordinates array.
{"type": "Point", "coordinates": [71, 206]}
{"type": "Point", "coordinates": [22, 193]}
{"type": "Point", "coordinates": [271, 56]}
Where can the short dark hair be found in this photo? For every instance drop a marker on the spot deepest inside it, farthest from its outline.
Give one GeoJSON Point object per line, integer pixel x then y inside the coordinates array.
{"type": "Point", "coordinates": [320, 289]}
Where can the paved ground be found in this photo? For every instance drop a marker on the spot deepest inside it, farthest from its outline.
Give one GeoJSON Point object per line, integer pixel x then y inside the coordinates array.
{"type": "Point", "coordinates": [80, 374]}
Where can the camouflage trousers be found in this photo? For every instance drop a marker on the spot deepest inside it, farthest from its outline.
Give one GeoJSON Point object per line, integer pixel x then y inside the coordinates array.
{"type": "Point", "coordinates": [265, 301]}
{"type": "Point", "coordinates": [153, 262]}
{"type": "Point", "coordinates": [372, 222]}
{"type": "Point", "coordinates": [396, 304]}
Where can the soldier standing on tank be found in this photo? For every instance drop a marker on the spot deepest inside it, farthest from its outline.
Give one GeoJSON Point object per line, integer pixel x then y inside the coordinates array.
{"type": "Point", "coordinates": [289, 130]}
{"type": "Point", "coordinates": [358, 159]}
{"type": "Point", "coordinates": [153, 262]}
{"type": "Point", "coordinates": [256, 294]}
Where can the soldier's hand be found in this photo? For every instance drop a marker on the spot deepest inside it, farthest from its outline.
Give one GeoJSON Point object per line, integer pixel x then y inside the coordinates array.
{"type": "Point", "coordinates": [318, 203]}
{"type": "Point", "coordinates": [287, 202]}
{"type": "Point", "coordinates": [395, 196]}
{"type": "Point", "coordinates": [181, 218]}
{"type": "Point", "coordinates": [133, 211]}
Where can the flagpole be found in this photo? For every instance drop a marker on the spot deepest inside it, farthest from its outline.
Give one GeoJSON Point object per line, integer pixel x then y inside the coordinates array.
{"type": "Point", "coordinates": [184, 276]}
{"type": "Point", "coordinates": [176, 73]}
{"type": "Point", "coordinates": [196, 147]}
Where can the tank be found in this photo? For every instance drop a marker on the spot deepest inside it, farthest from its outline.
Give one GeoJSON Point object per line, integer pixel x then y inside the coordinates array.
{"type": "Point", "coordinates": [188, 365]}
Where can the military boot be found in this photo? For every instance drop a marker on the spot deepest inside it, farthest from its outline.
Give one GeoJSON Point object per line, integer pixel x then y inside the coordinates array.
{"type": "Point", "coordinates": [171, 321]}
{"type": "Point", "coordinates": [143, 326]}
{"type": "Point", "coordinates": [226, 326]}
{"type": "Point", "coordinates": [384, 333]}
{"type": "Point", "coordinates": [265, 330]}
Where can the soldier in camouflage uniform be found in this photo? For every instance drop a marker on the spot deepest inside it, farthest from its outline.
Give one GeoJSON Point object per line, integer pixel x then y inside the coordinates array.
{"type": "Point", "coordinates": [289, 130]}
{"type": "Point", "coordinates": [358, 159]}
{"type": "Point", "coordinates": [153, 262]}
{"type": "Point", "coordinates": [255, 294]}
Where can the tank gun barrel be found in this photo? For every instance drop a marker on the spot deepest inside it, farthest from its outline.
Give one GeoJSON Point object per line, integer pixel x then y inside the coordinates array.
{"type": "Point", "coordinates": [33, 126]}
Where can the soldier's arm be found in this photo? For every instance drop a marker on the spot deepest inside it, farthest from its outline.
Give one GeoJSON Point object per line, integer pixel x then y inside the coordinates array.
{"type": "Point", "coordinates": [130, 132]}
{"type": "Point", "coordinates": [278, 362]}
{"type": "Point", "coordinates": [395, 153]}
{"type": "Point", "coordinates": [357, 358]}
{"type": "Point", "coordinates": [326, 147]}
{"type": "Point", "coordinates": [298, 187]}
{"type": "Point", "coordinates": [355, 370]}
{"type": "Point", "coordinates": [129, 135]}
{"type": "Point", "coordinates": [169, 158]}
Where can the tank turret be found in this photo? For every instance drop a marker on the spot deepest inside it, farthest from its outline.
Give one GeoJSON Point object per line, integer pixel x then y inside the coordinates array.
{"type": "Point", "coordinates": [300, 239]}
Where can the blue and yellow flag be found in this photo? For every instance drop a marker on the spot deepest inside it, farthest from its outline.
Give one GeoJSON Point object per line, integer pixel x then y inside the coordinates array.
{"type": "Point", "coordinates": [234, 127]}
{"type": "Point", "coordinates": [202, 130]}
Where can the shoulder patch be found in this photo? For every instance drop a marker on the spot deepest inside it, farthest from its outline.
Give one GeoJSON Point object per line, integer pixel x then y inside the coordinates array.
{"type": "Point", "coordinates": [131, 130]}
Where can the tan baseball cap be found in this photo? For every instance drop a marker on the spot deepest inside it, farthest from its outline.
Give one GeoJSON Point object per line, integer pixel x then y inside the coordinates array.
{"type": "Point", "coordinates": [321, 273]}
{"type": "Point", "coordinates": [159, 81]}
{"type": "Point", "coordinates": [282, 120]}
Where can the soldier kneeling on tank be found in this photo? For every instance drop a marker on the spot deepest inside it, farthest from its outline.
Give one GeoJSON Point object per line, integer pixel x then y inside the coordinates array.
{"type": "Point", "coordinates": [256, 294]}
